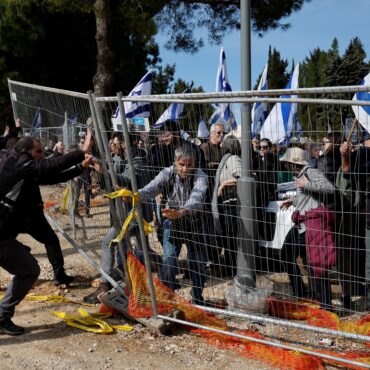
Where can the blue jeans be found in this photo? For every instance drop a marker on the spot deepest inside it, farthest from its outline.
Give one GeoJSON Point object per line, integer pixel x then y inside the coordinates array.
{"type": "Point", "coordinates": [173, 238]}
{"type": "Point", "coordinates": [111, 253]}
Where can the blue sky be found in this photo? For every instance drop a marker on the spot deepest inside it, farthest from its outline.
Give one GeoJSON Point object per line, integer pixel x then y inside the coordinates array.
{"type": "Point", "coordinates": [315, 25]}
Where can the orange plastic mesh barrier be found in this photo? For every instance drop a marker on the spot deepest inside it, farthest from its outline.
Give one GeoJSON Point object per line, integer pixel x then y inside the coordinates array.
{"type": "Point", "coordinates": [49, 203]}
{"type": "Point", "coordinates": [274, 356]}
{"type": "Point", "coordinates": [279, 358]}
{"type": "Point", "coordinates": [167, 300]}
{"type": "Point", "coordinates": [140, 304]}
{"type": "Point", "coordinates": [311, 312]}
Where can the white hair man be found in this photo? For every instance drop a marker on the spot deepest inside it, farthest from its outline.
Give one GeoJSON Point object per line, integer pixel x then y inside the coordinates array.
{"type": "Point", "coordinates": [183, 187]}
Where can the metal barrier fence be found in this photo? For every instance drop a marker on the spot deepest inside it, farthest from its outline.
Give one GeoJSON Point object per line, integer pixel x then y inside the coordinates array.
{"type": "Point", "coordinates": [323, 255]}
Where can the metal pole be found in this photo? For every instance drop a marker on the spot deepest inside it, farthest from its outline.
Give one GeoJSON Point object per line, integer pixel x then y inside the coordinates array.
{"type": "Point", "coordinates": [70, 182]}
{"type": "Point", "coordinates": [246, 246]}
{"type": "Point", "coordinates": [98, 141]}
{"type": "Point", "coordinates": [103, 146]}
{"type": "Point", "coordinates": [144, 243]}
{"type": "Point", "coordinates": [12, 100]}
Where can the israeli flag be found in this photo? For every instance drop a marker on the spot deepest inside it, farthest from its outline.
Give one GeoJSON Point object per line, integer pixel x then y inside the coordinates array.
{"type": "Point", "coordinates": [260, 110]}
{"type": "Point", "coordinates": [299, 129]}
{"type": "Point", "coordinates": [172, 113]}
{"type": "Point", "coordinates": [136, 109]}
{"type": "Point", "coordinates": [279, 123]}
{"type": "Point", "coordinates": [222, 84]}
{"type": "Point", "coordinates": [362, 112]}
{"type": "Point", "coordinates": [203, 132]}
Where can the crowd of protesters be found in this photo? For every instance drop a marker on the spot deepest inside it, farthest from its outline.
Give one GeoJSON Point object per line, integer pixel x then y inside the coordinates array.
{"type": "Point", "coordinates": [317, 243]}
{"type": "Point", "coordinates": [190, 192]}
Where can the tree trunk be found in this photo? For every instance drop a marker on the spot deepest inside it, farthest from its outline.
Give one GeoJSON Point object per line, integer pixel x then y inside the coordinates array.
{"type": "Point", "coordinates": [103, 79]}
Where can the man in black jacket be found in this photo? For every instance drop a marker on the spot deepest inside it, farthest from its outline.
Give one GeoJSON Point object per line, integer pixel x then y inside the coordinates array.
{"type": "Point", "coordinates": [20, 202]}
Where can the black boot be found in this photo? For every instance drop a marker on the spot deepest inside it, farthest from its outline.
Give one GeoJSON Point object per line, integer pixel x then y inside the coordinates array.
{"type": "Point", "coordinates": [8, 327]}
{"type": "Point", "coordinates": [61, 278]}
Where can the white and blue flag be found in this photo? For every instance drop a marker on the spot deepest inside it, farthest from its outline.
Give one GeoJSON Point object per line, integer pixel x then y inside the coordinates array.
{"type": "Point", "coordinates": [223, 110]}
{"type": "Point", "coordinates": [362, 112]}
{"type": "Point", "coordinates": [172, 113]}
{"type": "Point", "coordinates": [260, 110]}
{"type": "Point", "coordinates": [298, 129]}
{"type": "Point", "coordinates": [278, 126]}
{"type": "Point", "coordinates": [136, 109]}
{"type": "Point", "coordinates": [203, 132]}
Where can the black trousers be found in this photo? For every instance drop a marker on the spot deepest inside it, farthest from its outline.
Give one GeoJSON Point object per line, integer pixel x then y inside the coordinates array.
{"type": "Point", "coordinates": [294, 247]}
{"type": "Point", "coordinates": [18, 261]}
{"type": "Point", "coordinates": [229, 231]}
{"type": "Point", "coordinates": [351, 252]}
{"type": "Point", "coordinates": [39, 228]}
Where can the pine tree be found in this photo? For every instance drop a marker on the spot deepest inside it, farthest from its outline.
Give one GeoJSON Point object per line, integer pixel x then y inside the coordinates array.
{"type": "Point", "coordinates": [277, 75]}
{"type": "Point", "coordinates": [332, 115]}
{"type": "Point", "coordinates": [333, 63]}
{"type": "Point", "coordinates": [351, 71]}
{"type": "Point", "coordinates": [312, 74]}
{"type": "Point", "coordinates": [353, 68]}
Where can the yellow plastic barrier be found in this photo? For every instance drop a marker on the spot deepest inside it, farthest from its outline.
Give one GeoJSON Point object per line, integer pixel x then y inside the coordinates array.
{"type": "Point", "coordinates": [55, 298]}
{"type": "Point", "coordinates": [85, 321]}
{"type": "Point", "coordinates": [64, 205]}
{"type": "Point", "coordinates": [133, 213]}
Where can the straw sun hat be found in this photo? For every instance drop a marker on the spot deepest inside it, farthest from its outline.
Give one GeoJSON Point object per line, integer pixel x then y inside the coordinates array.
{"type": "Point", "coordinates": [296, 156]}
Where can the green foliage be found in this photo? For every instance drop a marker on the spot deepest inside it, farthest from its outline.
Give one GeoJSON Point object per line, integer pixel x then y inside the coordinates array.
{"type": "Point", "coordinates": [53, 43]}
{"type": "Point", "coordinates": [353, 68]}
{"type": "Point", "coordinates": [180, 18]}
{"type": "Point", "coordinates": [162, 79]}
{"type": "Point", "coordinates": [313, 74]}
{"type": "Point", "coordinates": [277, 75]}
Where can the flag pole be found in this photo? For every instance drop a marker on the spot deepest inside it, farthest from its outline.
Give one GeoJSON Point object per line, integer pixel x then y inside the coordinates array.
{"type": "Point", "coordinates": [246, 247]}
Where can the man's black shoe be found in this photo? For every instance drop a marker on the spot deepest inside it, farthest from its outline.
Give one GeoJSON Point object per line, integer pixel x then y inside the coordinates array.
{"type": "Point", "coordinates": [8, 327]}
{"type": "Point", "coordinates": [63, 279]}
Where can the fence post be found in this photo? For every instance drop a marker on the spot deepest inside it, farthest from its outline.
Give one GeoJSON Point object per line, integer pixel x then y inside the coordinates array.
{"type": "Point", "coordinates": [144, 243]}
{"type": "Point", "coordinates": [71, 200]}
{"type": "Point", "coordinates": [246, 247]}
{"type": "Point", "coordinates": [12, 101]}
{"type": "Point", "coordinates": [110, 180]}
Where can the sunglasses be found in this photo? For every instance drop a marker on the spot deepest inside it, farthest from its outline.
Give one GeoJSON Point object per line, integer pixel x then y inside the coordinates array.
{"type": "Point", "coordinates": [262, 147]}
{"type": "Point", "coordinates": [218, 132]}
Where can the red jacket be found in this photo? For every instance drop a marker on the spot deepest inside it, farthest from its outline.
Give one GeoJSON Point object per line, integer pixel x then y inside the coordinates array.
{"type": "Point", "coordinates": [320, 243]}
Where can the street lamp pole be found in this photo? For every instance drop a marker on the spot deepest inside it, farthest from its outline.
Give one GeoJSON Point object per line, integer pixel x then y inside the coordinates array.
{"type": "Point", "coordinates": [246, 246]}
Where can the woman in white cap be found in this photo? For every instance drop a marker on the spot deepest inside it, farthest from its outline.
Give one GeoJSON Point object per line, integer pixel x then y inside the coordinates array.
{"type": "Point", "coordinates": [312, 234]}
